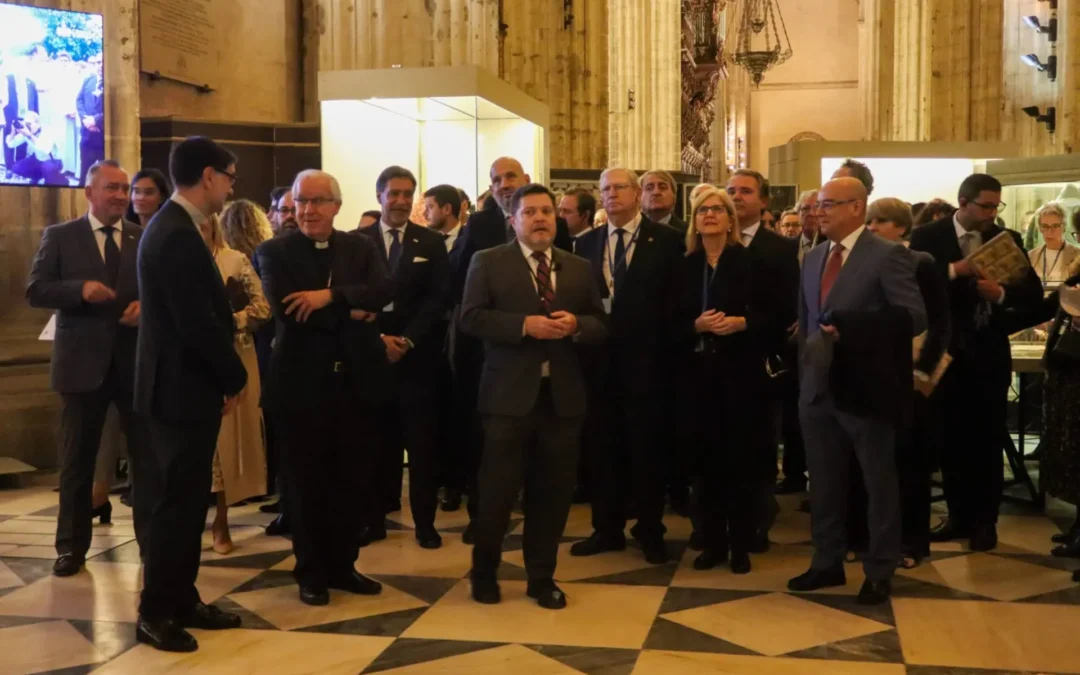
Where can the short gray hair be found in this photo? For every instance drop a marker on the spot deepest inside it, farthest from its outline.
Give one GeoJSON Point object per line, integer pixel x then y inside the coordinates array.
{"type": "Point", "coordinates": [804, 196]}
{"type": "Point", "coordinates": [95, 168]}
{"type": "Point", "coordinates": [631, 175]}
{"type": "Point", "coordinates": [1050, 209]}
{"type": "Point", "coordinates": [335, 187]}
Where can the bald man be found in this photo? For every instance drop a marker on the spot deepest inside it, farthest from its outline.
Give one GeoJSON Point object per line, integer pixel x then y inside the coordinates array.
{"type": "Point", "coordinates": [859, 307]}
{"type": "Point", "coordinates": [485, 229]}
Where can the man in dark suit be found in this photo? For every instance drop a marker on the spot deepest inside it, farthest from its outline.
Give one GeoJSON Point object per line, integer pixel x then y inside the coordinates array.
{"type": "Point", "coordinates": [410, 326]}
{"type": "Point", "coordinates": [658, 200]}
{"type": "Point", "coordinates": [327, 378]}
{"type": "Point", "coordinates": [635, 262]}
{"type": "Point", "coordinates": [90, 105]}
{"type": "Point", "coordinates": [976, 385]}
{"type": "Point", "coordinates": [529, 304]}
{"type": "Point", "coordinates": [859, 307]}
{"type": "Point", "coordinates": [485, 229]}
{"type": "Point", "coordinates": [578, 208]}
{"type": "Point", "coordinates": [749, 191]}
{"type": "Point", "coordinates": [187, 375]}
{"type": "Point", "coordinates": [22, 97]}
{"type": "Point", "coordinates": [85, 271]}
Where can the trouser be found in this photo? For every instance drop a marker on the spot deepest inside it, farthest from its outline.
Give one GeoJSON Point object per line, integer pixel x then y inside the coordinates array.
{"type": "Point", "coordinates": [974, 400]}
{"type": "Point", "coordinates": [831, 437]}
{"type": "Point", "coordinates": [630, 422]}
{"type": "Point", "coordinates": [794, 461]}
{"type": "Point", "coordinates": [91, 150]}
{"type": "Point", "coordinates": [540, 449]}
{"type": "Point", "coordinates": [410, 420]}
{"type": "Point", "coordinates": [82, 419]}
{"type": "Point", "coordinates": [182, 454]}
{"type": "Point", "coordinates": [49, 171]}
{"type": "Point", "coordinates": [327, 477]}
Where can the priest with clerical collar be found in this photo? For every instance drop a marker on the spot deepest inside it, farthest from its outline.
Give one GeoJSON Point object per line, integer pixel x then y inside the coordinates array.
{"type": "Point", "coordinates": [324, 288]}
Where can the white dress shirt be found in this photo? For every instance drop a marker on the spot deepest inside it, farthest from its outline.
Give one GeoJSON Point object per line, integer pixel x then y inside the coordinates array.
{"type": "Point", "coordinates": [545, 367]}
{"type": "Point", "coordinates": [629, 242]}
{"type": "Point", "coordinates": [99, 235]}
{"type": "Point", "coordinates": [197, 216]}
{"type": "Point", "coordinates": [747, 234]}
{"type": "Point", "coordinates": [452, 236]}
{"type": "Point", "coordinates": [388, 238]}
{"type": "Point", "coordinates": [848, 243]}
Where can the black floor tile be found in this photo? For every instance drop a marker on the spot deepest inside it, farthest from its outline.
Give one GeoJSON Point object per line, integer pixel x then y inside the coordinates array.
{"type": "Point", "coordinates": [591, 660]}
{"type": "Point", "coordinates": [248, 619]}
{"type": "Point", "coordinates": [268, 579]}
{"type": "Point", "coordinates": [428, 589]}
{"type": "Point", "coordinates": [882, 613]}
{"type": "Point", "coordinates": [383, 625]}
{"type": "Point", "coordinates": [670, 636]}
{"type": "Point", "coordinates": [679, 599]}
{"type": "Point", "coordinates": [125, 553]}
{"type": "Point", "coordinates": [111, 639]}
{"type": "Point", "coordinates": [906, 587]}
{"type": "Point", "coordinates": [256, 561]}
{"type": "Point", "coordinates": [29, 569]}
{"type": "Point", "coordinates": [407, 651]}
{"type": "Point", "coordinates": [881, 647]}
{"type": "Point", "coordinates": [654, 575]}
{"type": "Point", "coordinates": [74, 670]}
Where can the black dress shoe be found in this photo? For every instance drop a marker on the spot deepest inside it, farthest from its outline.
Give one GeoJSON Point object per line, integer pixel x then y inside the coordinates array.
{"type": "Point", "coordinates": [208, 617]}
{"type": "Point", "coordinates": [983, 538]}
{"type": "Point", "coordinates": [597, 544]}
{"type": "Point", "coordinates": [655, 550]}
{"type": "Point", "coordinates": [165, 636]}
{"type": "Point", "coordinates": [467, 536]}
{"type": "Point", "coordinates": [546, 594]}
{"type": "Point", "coordinates": [271, 508]}
{"type": "Point", "coordinates": [580, 496]}
{"type": "Point", "coordinates": [1063, 537]}
{"type": "Point", "coordinates": [67, 565]}
{"type": "Point", "coordinates": [372, 534]}
{"type": "Point", "coordinates": [874, 592]}
{"type": "Point", "coordinates": [695, 543]}
{"type": "Point", "coordinates": [451, 500]}
{"type": "Point", "coordinates": [791, 486]}
{"type": "Point", "coordinates": [429, 539]}
{"type": "Point", "coordinates": [314, 596]}
{"type": "Point", "coordinates": [125, 499]}
{"type": "Point", "coordinates": [708, 560]}
{"type": "Point", "coordinates": [1070, 548]}
{"type": "Point", "coordinates": [813, 579]}
{"type": "Point", "coordinates": [740, 563]}
{"type": "Point", "coordinates": [103, 512]}
{"type": "Point", "coordinates": [279, 527]}
{"type": "Point", "coordinates": [485, 590]}
{"type": "Point", "coordinates": [760, 542]}
{"type": "Point", "coordinates": [356, 583]}
{"type": "Point", "coordinates": [392, 506]}
{"type": "Point", "coordinates": [948, 530]}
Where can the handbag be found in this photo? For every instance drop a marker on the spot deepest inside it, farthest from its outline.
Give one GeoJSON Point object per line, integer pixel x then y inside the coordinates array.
{"type": "Point", "coordinates": [237, 294]}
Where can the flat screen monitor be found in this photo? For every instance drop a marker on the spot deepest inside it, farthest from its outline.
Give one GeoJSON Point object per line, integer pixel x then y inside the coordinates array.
{"type": "Point", "coordinates": [52, 95]}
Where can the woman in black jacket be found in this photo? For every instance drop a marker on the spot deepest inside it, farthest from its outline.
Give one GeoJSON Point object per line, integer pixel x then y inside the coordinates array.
{"type": "Point", "coordinates": [724, 310]}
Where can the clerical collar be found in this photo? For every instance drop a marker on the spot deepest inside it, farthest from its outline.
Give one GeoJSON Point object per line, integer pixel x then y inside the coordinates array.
{"type": "Point", "coordinates": [321, 244]}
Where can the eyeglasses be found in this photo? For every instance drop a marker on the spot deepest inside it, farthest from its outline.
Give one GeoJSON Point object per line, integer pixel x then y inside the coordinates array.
{"type": "Point", "coordinates": [287, 210]}
{"type": "Point", "coordinates": [313, 201]}
{"type": "Point", "coordinates": [829, 205]}
{"type": "Point", "coordinates": [615, 187]}
{"type": "Point", "coordinates": [807, 209]}
{"type": "Point", "coordinates": [231, 176]}
{"type": "Point", "coordinates": [717, 209]}
{"type": "Point", "coordinates": [996, 208]}
{"type": "Point", "coordinates": [1051, 226]}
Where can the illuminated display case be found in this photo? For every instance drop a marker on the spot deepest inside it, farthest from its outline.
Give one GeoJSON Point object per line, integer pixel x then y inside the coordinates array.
{"type": "Point", "coordinates": [1030, 182]}
{"type": "Point", "coordinates": [446, 125]}
{"type": "Point", "coordinates": [912, 171]}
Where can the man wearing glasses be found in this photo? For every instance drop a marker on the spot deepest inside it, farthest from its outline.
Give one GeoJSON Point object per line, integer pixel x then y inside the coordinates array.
{"type": "Point", "coordinates": [976, 385]}
{"type": "Point", "coordinates": [282, 212]}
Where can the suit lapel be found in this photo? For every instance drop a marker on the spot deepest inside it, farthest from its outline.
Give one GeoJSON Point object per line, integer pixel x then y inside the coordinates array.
{"type": "Point", "coordinates": [129, 252]}
{"type": "Point", "coordinates": [524, 274]}
{"type": "Point", "coordinates": [642, 254]}
{"type": "Point", "coordinates": [852, 268]}
{"type": "Point", "coordinates": [376, 235]}
{"type": "Point", "coordinates": [410, 246]}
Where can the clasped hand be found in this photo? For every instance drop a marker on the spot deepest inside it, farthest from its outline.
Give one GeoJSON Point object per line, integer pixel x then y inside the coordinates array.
{"type": "Point", "coordinates": [396, 347]}
{"type": "Point", "coordinates": [304, 303]}
{"type": "Point", "coordinates": [556, 327]}
{"type": "Point", "coordinates": [718, 323]}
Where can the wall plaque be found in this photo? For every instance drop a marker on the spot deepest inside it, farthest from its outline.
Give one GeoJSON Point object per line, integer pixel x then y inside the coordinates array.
{"type": "Point", "coordinates": [179, 40]}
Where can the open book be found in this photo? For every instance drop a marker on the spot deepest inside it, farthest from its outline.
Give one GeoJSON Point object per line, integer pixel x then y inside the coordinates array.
{"type": "Point", "coordinates": [927, 387]}
{"type": "Point", "coordinates": [1000, 260]}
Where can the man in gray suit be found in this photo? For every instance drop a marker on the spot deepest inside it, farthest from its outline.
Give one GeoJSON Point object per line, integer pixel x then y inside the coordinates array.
{"type": "Point", "coordinates": [529, 303]}
{"type": "Point", "coordinates": [859, 307]}
{"type": "Point", "coordinates": [85, 271]}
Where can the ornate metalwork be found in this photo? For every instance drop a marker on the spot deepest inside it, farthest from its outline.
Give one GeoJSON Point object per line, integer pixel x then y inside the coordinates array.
{"type": "Point", "coordinates": [757, 24]}
{"type": "Point", "coordinates": [702, 67]}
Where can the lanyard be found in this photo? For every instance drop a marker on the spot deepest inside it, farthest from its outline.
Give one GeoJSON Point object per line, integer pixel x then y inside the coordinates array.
{"type": "Point", "coordinates": [1053, 265]}
{"type": "Point", "coordinates": [707, 276]}
{"type": "Point", "coordinates": [614, 264]}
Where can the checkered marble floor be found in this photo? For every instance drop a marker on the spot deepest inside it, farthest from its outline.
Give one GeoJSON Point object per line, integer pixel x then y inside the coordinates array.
{"type": "Point", "coordinates": [1015, 610]}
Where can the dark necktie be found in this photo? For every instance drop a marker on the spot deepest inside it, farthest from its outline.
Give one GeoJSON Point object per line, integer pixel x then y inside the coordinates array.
{"type": "Point", "coordinates": [395, 248]}
{"type": "Point", "coordinates": [543, 282]}
{"type": "Point", "coordinates": [112, 256]}
{"type": "Point", "coordinates": [618, 271]}
{"type": "Point", "coordinates": [832, 270]}
{"type": "Point", "coordinates": [510, 234]}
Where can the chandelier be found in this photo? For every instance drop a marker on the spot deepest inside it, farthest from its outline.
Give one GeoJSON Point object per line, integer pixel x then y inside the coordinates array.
{"type": "Point", "coordinates": [758, 28]}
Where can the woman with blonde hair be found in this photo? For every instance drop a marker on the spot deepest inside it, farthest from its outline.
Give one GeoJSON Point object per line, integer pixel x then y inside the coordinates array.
{"type": "Point", "coordinates": [723, 316]}
{"type": "Point", "coordinates": [1053, 259]}
{"type": "Point", "coordinates": [240, 459]}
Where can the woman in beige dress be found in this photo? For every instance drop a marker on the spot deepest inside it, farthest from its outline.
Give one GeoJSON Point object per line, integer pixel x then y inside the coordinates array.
{"type": "Point", "coordinates": [240, 460]}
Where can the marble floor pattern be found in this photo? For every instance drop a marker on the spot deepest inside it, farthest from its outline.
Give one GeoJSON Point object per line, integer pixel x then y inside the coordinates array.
{"type": "Point", "coordinates": [1014, 610]}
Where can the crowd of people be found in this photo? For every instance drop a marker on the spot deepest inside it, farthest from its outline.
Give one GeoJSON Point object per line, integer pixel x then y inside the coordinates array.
{"type": "Point", "coordinates": [523, 352]}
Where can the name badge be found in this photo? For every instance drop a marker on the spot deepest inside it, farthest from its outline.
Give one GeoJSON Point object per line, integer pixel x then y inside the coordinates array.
{"type": "Point", "coordinates": [607, 304]}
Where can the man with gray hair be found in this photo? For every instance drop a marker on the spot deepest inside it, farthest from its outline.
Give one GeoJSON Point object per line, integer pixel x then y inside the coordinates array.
{"type": "Point", "coordinates": [658, 199]}
{"type": "Point", "coordinates": [326, 372]}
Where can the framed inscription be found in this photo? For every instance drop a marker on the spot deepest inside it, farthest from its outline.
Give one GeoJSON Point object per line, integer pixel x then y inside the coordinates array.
{"type": "Point", "coordinates": [179, 40]}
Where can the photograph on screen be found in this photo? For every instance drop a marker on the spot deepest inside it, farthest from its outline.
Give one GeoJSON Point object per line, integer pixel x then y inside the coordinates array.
{"type": "Point", "coordinates": [52, 95]}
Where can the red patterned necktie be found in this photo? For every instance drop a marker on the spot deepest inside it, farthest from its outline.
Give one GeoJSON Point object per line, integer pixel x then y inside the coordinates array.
{"type": "Point", "coordinates": [832, 270]}
{"type": "Point", "coordinates": [543, 282]}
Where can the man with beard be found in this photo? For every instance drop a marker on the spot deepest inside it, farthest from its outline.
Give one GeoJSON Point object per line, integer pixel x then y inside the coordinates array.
{"type": "Point", "coordinates": [658, 200]}
{"type": "Point", "coordinates": [485, 229]}
{"type": "Point", "coordinates": [326, 373]}
{"type": "Point", "coordinates": [578, 207]}
{"type": "Point", "coordinates": [975, 387]}
{"type": "Point", "coordinates": [282, 210]}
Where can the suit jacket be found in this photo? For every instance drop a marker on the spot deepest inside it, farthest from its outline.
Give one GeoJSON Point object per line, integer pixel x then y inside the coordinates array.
{"type": "Point", "coordinates": [306, 354]}
{"type": "Point", "coordinates": [778, 257]}
{"type": "Point", "coordinates": [499, 294]}
{"type": "Point", "coordinates": [678, 224]}
{"type": "Point", "coordinates": [89, 105]}
{"type": "Point", "coordinates": [89, 338]}
{"type": "Point", "coordinates": [643, 310]}
{"type": "Point", "coordinates": [487, 229]}
{"type": "Point", "coordinates": [186, 363]}
{"type": "Point", "coordinates": [11, 110]}
{"type": "Point", "coordinates": [935, 293]}
{"type": "Point", "coordinates": [990, 343]}
{"type": "Point", "coordinates": [877, 279]}
{"type": "Point", "coordinates": [421, 295]}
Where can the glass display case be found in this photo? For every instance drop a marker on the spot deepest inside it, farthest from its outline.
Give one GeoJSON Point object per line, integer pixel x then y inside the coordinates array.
{"type": "Point", "coordinates": [1031, 182]}
{"type": "Point", "coordinates": [446, 125]}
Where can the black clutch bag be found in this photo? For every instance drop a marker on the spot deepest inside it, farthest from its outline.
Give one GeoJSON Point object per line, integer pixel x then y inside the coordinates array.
{"type": "Point", "coordinates": [238, 297]}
